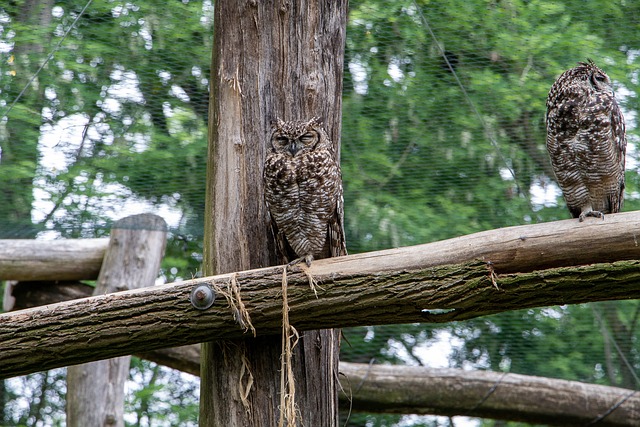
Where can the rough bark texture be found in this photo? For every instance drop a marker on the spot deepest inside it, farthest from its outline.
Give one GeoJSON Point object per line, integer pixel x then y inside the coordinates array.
{"type": "Point", "coordinates": [162, 316]}
{"type": "Point", "coordinates": [286, 62]}
{"type": "Point", "coordinates": [49, 260]}
{"type": "Point", "coordinates": [449, 392]}
{"type": "Point", "coordinates": [95, 394]}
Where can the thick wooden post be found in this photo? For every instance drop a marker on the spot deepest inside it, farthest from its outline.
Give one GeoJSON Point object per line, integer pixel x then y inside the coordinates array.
{"type": "Point", "coordinates": [271, 59]}
{"type": "Point", "coordinates": [96, 390]}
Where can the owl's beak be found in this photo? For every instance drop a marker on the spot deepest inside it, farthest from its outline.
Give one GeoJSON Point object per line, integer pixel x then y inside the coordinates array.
{"type": "Point", "coordinates": [294, 147]}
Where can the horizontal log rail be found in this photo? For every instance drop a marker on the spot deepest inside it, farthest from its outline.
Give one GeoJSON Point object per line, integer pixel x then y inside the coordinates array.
{"type": "Point", "coordinates": [502, 396]}
{"type": "Point", "coordinates": [420, 390]}
{"type": "Point", "coordinates": [72, 259]}
{"type": "Point", "coordinates": [456, 279]}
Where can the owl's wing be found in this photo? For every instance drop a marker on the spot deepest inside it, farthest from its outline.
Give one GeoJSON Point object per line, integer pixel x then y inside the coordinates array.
{"type": "Point", "coordinates": [603, 131]}
{"type": "Point", "coordinates": [619, 134]}
{"type": "Point", "coordinates": [336, 235]}
{"type": "Point", "coordinates": [619, 148]}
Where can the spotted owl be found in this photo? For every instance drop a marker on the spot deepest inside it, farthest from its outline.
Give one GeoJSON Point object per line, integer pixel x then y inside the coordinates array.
{"type": "Point", "coordinates": [586, 141]}
{"type": "Point", "coordinates": [303, 192]}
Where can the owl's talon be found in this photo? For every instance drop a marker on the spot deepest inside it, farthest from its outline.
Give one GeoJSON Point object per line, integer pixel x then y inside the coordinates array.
{"type": "Point", "coordinates": [595, 214]}
{"type": "Point", "coordinates": [307, 259]}
{"type": "Point", "coordinates": [294, 262]}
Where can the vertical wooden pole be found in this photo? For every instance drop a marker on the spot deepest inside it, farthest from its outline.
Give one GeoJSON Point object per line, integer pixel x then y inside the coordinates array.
{"type": "Point", "coordinates": [271, 58]}
{"type": "Point", "coordinates": [96, 390]}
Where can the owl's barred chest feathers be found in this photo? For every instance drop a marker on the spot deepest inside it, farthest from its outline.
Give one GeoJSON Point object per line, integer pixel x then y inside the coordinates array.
{"type": "Point", "coordinates": [303, 188]}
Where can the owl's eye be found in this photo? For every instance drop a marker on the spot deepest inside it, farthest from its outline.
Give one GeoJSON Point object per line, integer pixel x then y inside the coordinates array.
{"type": "Point", "coordinates": [308, 138]}
{"type": "Point", "coordinates": [598, 78]}
{"type": "Point", "coordinates": [282, 140]}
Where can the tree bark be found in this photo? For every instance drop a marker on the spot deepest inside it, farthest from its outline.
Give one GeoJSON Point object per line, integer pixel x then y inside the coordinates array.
{"type": "Point", "coordinates": [96, 390]}
{"type": "Point", "coordinates": [286, 62]}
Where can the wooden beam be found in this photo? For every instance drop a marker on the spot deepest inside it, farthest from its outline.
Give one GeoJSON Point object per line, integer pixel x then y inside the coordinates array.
{"type": "Point", "coordinates": [397, 286]}
{"type": "Point", "coordinates": [514, 249]}
{"type": "Point", "coordinates": [78, 259]}
{"type": "Point", "coordinates": [410, 390]}
{"type": "Point", "coordinates": [287, 62]}
{"type": "Point", "coordinates": [449, 392]}
{"type": "Point", "coordinates": [511, 249]}
{"type": "Point", "coordinates": [397, 389]}
{"type": "Point", "coordinates": [452, 392]}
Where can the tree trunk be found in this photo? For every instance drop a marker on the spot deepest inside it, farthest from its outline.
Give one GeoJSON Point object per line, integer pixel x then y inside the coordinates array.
{"type": "Point", "coordinates": [96, 390]}
{"type": "Point", "coordinates": [19, 159]}
{"type": "Point", "coordinates": [287, 63]}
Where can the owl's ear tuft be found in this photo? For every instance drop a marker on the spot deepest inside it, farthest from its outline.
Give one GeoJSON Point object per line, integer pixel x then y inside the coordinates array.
{"type": "Point", "coordinates": [315, 121]}
{"type": "Point", "coordinates": [276, 124]}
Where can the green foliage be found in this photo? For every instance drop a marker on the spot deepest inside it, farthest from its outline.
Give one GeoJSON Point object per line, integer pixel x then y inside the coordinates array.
{"type": "Point", "coordinates": [422, 162]}
{"type": "Point", "coordinates": [116, 123]}
{"type": "Point", "coordinates": [160, 396]}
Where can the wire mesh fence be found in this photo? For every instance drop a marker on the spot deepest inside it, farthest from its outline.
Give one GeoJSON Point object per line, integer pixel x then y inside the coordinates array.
{"type": "Point", "coordinates": [103, 113]}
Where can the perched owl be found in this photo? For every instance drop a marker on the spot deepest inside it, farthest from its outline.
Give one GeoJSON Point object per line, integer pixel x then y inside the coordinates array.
{"type": "Point", "coordinates": [303, 192]}
{"type": "Point", "coordinates": [586, 141]}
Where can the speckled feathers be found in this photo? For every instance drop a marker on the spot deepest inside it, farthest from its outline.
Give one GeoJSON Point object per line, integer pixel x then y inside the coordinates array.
{"type": "Point", "coordinates": [303, 191]}
{"type": "Point", "coordinates": [586, 141]}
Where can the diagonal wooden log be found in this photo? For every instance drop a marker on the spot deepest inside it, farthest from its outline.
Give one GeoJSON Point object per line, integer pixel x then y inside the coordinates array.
{"type": "Point", "coordinates": [426, 283]}
{"type": "Point", "coordinates": [450, 392]}
{"type": "Point", "coordinates": [511, 249]}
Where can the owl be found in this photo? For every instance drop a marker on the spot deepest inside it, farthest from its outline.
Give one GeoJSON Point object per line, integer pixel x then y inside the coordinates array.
{"type": "Point", "coordinates": [586, 141]}
{"type": "Point", "coordinates": [303, 192]}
